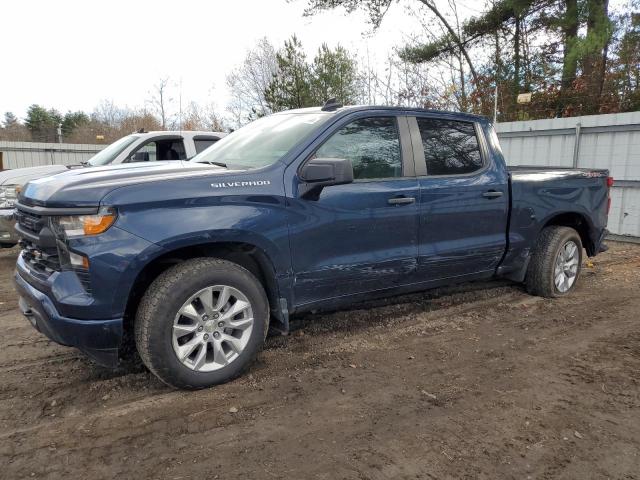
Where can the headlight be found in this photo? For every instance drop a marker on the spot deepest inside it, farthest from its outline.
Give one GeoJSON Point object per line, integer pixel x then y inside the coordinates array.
{"type": "Point", "coordinates": [74, 226]}
{"type": "Point", "coordinates": [9, 195]}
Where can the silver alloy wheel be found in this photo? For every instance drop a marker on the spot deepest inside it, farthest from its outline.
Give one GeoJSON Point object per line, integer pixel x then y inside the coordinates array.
{"type": "Point", "coordinates": [566, 267]}
{"type": "Point", "coordinates": [212, 328]}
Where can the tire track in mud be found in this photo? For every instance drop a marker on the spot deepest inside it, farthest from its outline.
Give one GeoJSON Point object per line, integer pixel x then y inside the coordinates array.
{"type": "Point", "coordinates": [15, 365]}
{"type": "Point", "coordinates": [404, 325]}
{"type": "Point", "coordinates": [458, 302]}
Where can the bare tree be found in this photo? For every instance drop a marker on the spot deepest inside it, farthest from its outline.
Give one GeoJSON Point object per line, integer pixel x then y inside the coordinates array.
{"type": "Point", "coordinates": [402, 83]}
{"type": "Point", "coordinates": [160, 101]}
{"type": "Point", "coordinates": [197, 117]}
{"type": "Point", "coordinates": [138, 119]}
{"type": "Point", "coordinates": [454, 33]}
{"type": "Point", "coordinates": [448, 73]}
{"type": "Point", "coordinates": [248, 82]}
{"type": "Point", "coordinates": [12, 129]}
{"type": "Point", "coordinates": [108, 113]}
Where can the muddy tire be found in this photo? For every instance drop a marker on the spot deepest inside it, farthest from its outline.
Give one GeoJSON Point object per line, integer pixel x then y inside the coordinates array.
{"type": "Point", "coordinates": [201, 323]}
{"type": "Point", "coordinates": [555, 263]}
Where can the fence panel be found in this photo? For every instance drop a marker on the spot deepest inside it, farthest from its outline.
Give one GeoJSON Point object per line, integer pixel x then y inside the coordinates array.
{"type": "Point", "coordinates": [32, 154]}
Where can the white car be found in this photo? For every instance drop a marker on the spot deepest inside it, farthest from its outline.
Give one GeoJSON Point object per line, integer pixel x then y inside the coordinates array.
{"type": "Point", "coordinates": [137, 147]}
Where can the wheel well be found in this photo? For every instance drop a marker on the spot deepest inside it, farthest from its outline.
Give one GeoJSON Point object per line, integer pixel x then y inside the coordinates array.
{"type": "Point", "coordinates": [576, 221]}
{"type": "Point", "coordinates": [245, 255]}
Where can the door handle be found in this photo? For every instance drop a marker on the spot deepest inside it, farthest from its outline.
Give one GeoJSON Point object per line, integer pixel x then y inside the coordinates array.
{"type": "Point", "coordinates": [401, 200]}
{"type": "Point", "coordinates": [492, 194]}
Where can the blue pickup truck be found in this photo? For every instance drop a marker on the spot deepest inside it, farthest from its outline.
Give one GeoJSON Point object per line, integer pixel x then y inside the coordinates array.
{"type": "Point", "coordinates": [305, 209]}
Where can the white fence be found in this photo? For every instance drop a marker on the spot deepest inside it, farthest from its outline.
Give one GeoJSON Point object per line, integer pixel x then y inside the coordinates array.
{"type": "Point", "coordinates": [595, 141]}
{"type": "Point", "coordinates": [32, 154]}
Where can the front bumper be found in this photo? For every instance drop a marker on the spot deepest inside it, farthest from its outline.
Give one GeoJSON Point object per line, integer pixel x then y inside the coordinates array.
{"type": "Point", "coordinates": [99, 339]}
{"type": "Point", "coordinates": [8, 234]}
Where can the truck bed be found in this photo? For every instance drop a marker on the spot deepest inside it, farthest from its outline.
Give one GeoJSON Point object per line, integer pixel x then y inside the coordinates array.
{"type": "Point", "coordinates": [541, 196]}
{"type": "Point", "coordinates": [522, 171]}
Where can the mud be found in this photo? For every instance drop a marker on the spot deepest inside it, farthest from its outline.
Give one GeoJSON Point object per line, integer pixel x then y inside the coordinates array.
{"type": "Point", "coordinates": [480, 381]}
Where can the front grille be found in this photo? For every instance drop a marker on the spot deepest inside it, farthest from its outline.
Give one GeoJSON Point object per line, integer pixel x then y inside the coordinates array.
{"type": "Point", "coordinates": [39, 259]}
{"type": "Point", "coordinates": [42, 252]}
{"type": "Point", "coordinates": [30, 221]}
{"type": "Point", "coordinates": [47, 262]}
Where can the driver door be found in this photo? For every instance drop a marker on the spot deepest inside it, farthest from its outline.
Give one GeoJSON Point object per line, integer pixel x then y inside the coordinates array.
{"type": "Point", "coordinates": [361, 236]}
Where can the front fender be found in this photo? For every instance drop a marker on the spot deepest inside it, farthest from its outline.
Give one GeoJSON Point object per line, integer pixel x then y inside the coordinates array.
{"type": "Point", "coordinates": [261, 225]}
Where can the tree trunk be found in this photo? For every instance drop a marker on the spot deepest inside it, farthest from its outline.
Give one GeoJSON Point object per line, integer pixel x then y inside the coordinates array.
{"type": "Point", "coordinates": [526, 62]}
{"type": "Point", "coordinates": [570, 58]}
{"type": "Point", "coordinates": [516, 56]}
{"type": "Point", "coordinates": [603, 68]}
{"type": "Point", "coordinates": [594, 60]}
{"type": "Point", "coordinates": [497, 76]}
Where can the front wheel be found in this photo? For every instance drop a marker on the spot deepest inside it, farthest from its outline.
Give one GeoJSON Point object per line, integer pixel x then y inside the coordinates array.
{"type": "Point", "coordinates": [201, 323]}
{"type": "Point", "coordinates": [555, 262]}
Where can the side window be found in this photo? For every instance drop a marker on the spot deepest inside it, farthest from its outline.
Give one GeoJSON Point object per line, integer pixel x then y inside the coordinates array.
{"type": "Point", "coordinates": [450, 146]}
{"type": "Point", "coordinates": [146, 153]}
{"type": "Point", "coordinates": [171, 150]}
{"type": "Point", "coordinates": [371, 144]}
{"type": "Point", "coordinates": [203, 143]}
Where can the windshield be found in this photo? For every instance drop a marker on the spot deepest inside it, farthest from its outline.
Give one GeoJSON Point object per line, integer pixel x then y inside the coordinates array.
{"type": "Point", "coordinates": [262, 142]}
{"type": "Point", "coordinates": [108, 155]}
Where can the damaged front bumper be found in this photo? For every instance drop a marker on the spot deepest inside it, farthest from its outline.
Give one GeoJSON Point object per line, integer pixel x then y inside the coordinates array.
{"type": "Point", "coordinates": [98, 339]}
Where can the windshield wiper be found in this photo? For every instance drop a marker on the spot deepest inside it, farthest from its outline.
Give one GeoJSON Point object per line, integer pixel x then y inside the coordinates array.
{"type": "Point", "coordinates": [211, 162]}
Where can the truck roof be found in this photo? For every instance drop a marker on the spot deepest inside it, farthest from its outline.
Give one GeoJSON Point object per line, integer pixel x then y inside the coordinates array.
{"type": "Point", "coordinates": [184, 133]}
{"type": "Point", "coordinates": [359, 108]}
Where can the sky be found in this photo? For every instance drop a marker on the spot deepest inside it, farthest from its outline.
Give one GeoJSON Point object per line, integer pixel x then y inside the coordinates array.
{"type": "Point", "coordinates": [70, 54]}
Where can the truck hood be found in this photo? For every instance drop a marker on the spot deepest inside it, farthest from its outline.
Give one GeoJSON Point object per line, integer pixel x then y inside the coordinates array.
{"type": "Point", "coordinates": [20, 176]}
{"type": "Point", "coordinates": [87, 186]}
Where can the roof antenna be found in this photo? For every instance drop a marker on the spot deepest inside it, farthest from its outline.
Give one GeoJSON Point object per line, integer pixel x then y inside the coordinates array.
{"type": "Point", "coordinates": [331, 105]}
{"type": "Point", "coordinates": [180, 116]}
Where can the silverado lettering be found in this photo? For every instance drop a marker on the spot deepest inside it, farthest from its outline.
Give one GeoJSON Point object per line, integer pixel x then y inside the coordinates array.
{"type": "Point", "coordinates": [254, 183]}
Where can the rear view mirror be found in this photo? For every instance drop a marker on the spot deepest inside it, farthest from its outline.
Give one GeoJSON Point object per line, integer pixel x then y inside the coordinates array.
{"type": "Point", "coordinates": [318, 173]}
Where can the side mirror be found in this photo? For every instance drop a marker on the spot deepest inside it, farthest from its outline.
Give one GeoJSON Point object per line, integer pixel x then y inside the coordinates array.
{"type": "Point", "coordinates": [318, 173]}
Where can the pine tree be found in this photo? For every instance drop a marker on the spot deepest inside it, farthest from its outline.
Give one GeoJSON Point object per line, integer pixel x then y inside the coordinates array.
{"type": "Point", "coordinates": [72, 121]}
{"type": "Point", "coordinates": [10, 120]}
{"type": "Point", "coordinates": [334, 75]}
{"type": "Point", "coordinates": [291, 85]}
{"type": "Point", "coordinates": [42, 123]}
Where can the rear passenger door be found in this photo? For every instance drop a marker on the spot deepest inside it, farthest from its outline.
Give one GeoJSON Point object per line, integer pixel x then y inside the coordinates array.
{"type": "Point", "coordinates": [463, 206]}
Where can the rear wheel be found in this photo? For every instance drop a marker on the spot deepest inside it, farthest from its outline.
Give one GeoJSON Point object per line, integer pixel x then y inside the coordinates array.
{"type": "Point", "coordinates": [201, 323]}
{"type": "Point", "coordinates": [555, 263]}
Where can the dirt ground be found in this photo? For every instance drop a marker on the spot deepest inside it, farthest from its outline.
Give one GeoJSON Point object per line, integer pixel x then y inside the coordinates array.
{"type": "Point", "coordinates": [481, 381]}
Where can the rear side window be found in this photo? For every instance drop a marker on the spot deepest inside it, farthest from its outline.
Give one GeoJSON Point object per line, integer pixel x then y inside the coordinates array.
{"type": "Point", "coordinates": [371, 144]}
{"type": "Point", "coordinates": [171, 150]}
{"type": "Point", "coordinates": [450, 146]}
{"type": "Point", "coordinates": [203, 143]}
